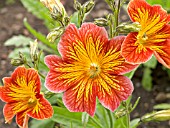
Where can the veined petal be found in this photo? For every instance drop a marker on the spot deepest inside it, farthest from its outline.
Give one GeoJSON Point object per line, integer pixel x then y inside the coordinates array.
{"type": "Point", "coordinates": [113, 90]}
{"type": "Point", "coordinates": [158, 37]}
{"type": "Point", "coordinates": [8, 112]}
{"type": "Point", "coordinates": [23, 77]}
{"type": "Point", "coordinates": [42, 109]}
{"type": "Point", "coordinates": [62, 75]}
{"type": "Point", "coordinates": [4, 90]}
{"type": "Point", "coordinates": [113, 62]}
{"type": "Point", "coordinates": [134, 52]}
{"type": "Point", "coordinates": [81, 97]}
{"type": "Point", "coordinates": [162, 53]}
{"type": "Point", "coordinates": [74, 44]}
{"type": "Point", "coordinates": [22, 119]}
{"type": "Point", "coordinates": [148, 16]}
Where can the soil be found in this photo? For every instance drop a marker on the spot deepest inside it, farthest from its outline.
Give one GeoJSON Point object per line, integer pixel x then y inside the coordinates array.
{"type": "Point", "coordinates": [11, 23]}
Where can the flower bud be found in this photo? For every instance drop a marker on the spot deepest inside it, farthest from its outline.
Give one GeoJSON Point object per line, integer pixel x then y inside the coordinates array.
{"type": "Point", "coordinates": [128, 27]}
{"type": "Point", "coordinates": [22, 57]}
{"type": "Point", "coordinates": [162, 115]}
{"type": "Point", "coordinates": [77, 5]}
{"type": "Point", "coordinates": [17, 62]}
{"type": "Point", "coordinates": [66, 20]}
{"type": "Point", "coordinates": [56, 33]}
{"type": "Point", "coordinates": [88, 6]}
{"type": "Point", "coordinates": [120, 113]}
{"type": "Point", "coordinates": [101, 22]}
{"type": "Point", "coordinates": [54, 5]}
{"type": "Point", "coordinates": [34, 50]}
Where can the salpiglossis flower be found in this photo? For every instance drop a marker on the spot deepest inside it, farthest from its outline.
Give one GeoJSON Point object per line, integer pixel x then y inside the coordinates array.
{"type": "Point", "coordinates": [21, 92]}
{"type": "Point", "coordinates": [91, 66]}
{"type": "Point", "coordinates": [154, 36]}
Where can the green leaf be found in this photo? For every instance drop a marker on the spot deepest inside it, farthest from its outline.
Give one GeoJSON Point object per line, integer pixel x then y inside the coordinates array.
{"type": "Point", "coordinates": [162, 106]}
{"type": "Point", "coordinates": [164, 3]}
{"type": "Point", "coordinates": [151, 63]}
{"type": "Point", "coordinates": [48, 123]}
{"type": "Point", "coordinates": [39, 10]}
{"type": "Point", "coordinates": [147, 79]}
{"type": "Point", "coordinates": [74, 18]}
{"type": "Point", "coordinates": [134, 123]}
{"type": "Point", "coordinates": [18, 41]}
{"type": "Point", "coordinates": [130, 74]}
{"type": "Point", "coordinates": [65, 117]}
{"type": "Point", "coordinates": [103, 116]}
{"type": "Point", "coordinates": [15, 52]}
{"type": "Point", "coordinates": [121, 122]}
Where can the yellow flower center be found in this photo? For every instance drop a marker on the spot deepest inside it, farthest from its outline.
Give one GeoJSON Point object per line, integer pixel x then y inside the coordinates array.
{"type": "Point", "coordinates": [94, 70]}
{"type": "Point", "coordinates": [24, 94]}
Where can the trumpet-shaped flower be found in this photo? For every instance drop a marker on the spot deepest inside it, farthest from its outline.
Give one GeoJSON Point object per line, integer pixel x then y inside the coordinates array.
{"type": "Point", "coordinates": [91, 66]}
{"type": "Point", "coordinates": [21, 92]}
{"type": "Point", "coordinates": [153, 37]}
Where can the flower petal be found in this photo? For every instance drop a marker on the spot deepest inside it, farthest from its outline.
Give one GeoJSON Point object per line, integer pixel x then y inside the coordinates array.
{"type": "Point", "coordinates": [5, 90]}
{"type": "Point", "coordinates": [113, 90]}
{"type": "Point", "coordinates": [73, 43]}
{"type": "Point", "coordinates": [82, 97]}
{"type": "Point", "coordinates": [21, 119]}
{"type": "Point", "coordinates": [135, 53]}
{"type": "Point", "coordinates": [140, 11]}
{"type": "Point", "coordinates": [113, 62]}
{"type": "Point", "coordinates": [42, 110]}
{"type": "Point", "coordinates": [162, 53]}
{"type": "Point", "coordinates": [22, 74]}
{"type": "Point", "coordinates": [8, 112]}
{"type": "Point", "coordinates": [61, 74]}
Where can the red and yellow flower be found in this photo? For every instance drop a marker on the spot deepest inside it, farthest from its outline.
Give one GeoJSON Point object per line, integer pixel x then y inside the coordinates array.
{"type": "Point", "coordinates": [153, 37]}
{"type": "Point", "coordinates": [91, 66]}
{"type": "Point", "coordinates": [21, 92]}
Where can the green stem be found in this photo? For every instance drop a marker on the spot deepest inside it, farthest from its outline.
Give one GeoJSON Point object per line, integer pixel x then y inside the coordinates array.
{"type": "Point", "coordinates": [41, 75]}
{"type": "Point", "coordinates": [111, 118]}
{"type": "Point", "coordinates": [127, 114]}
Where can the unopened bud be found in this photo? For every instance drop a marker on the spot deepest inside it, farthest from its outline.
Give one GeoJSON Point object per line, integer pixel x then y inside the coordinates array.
{"type": "Point", "coordinates": [34, 50]}
{"type": "Point", "coordinates": [88, 6]}
{"type": "Point", "coordinates": [77, 5]}
{"type": "Point", "coordinates": [22, 57]}
{"type": "Point", "coordinates": [127, 27]}
{"type": "Point", "coordinates": [56, 33]}
{"type": "Point", "coordinates": [66, 20]}
{"type": "Point", "coordinates": [162, 115]}
{"type": "Point", "coordinates": [101, 22]}
{"type": "Point", "coordinates": [17, 62]}
{"type": "Point", "coordinates": [120, 113]}
{"type": "Point", "coordinates": [54, 5]}
{"type": "Point", "coordinates": [56, 15]}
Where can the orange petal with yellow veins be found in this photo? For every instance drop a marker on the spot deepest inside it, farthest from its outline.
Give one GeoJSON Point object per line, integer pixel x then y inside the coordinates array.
{"type": "Point", "coordinates": [21, 74]}
{"type": "Point", "coordinates": [5, 90]}
{"type": "Point", "coordinates": [162, 53]}
{"type": "Point", "coordinates": [42, 109]}
{"type": "Point", "coordinates": [74, 41]}
{"type": "Point", "coordinates": [140, 11]}
{"type": "Point", "coordinates": [55, 79]}
{"type": "Point", "coordinates": [8, 112]}
{"type": "Point", "coordinates": [135, 53]}
{"type": "Point", "coordinates": [113, 90]}
{"type": "Point", "coordinates": [21, 119]}
{"type": "Point", "coordinates": [81, 97]}
{"type": "Point", "coordinates": [119, 66]}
